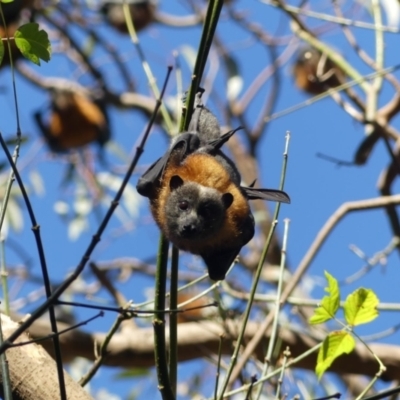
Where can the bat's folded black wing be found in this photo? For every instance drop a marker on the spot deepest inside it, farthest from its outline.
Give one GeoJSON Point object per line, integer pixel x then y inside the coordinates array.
{"type": "Point", "coordinates": [185, 144]}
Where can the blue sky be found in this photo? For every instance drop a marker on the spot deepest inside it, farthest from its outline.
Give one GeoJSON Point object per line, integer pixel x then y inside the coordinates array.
{"type": "Point", "coordinates": [317, 187]}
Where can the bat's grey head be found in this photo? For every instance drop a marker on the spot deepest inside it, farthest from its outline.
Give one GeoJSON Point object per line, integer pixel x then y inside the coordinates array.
{"type": "Point", "coordinates": [194, 211]}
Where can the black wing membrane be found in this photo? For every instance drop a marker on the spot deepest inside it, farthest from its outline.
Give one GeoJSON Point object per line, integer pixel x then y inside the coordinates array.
{"type": "Point", "coordinates": [149, 179]}
{"type": "Point", "coordinates": [266, 194]}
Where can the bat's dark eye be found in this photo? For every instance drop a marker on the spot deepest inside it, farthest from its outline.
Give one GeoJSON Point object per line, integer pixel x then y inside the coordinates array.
{"type": "Point", "coordinates": [183, 205]}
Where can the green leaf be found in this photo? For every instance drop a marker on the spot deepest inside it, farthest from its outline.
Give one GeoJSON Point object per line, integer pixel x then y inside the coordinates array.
{"type": "Point", "coordinates": [360, 307]}
{"type": "Point", "coordinates": [1, 51]}
{"type": "Point", "coordinates": [89, 46]}
{"type": "Point", "coordinates": [334, 345]}
{"type": "Point", "coordinates": [329, 304]}
{"type": "Point", "coordinates": [132, 373]}
{"type": "Point", "coordinates": [7, 1]}
{"type": "Point", "coordinates": [33, 43]}
{"type": "Point", "coordinates": [13, 140]}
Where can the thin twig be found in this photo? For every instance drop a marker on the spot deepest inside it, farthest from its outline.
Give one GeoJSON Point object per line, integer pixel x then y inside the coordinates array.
{"type": "Point", "coordinates": [45, 273]}
{"type": "Point", "coordinates": [235, 369]}
{"type": "Point", "coordinates": [331, 18]}
{"type": "Point", "coordinates": [160, 351]}
{"type": "Point", "coordinates": [309, 256]}
{"type": "Point", "coordinates": [274, 331]}
{"type": "Point", "coordinates": [173, 320]}
{"type": "Point", "coordinates": [96, 238]}
{"type": "Point", "coordinates": [103, 351]}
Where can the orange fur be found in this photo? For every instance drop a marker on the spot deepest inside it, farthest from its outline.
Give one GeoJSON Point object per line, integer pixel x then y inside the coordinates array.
{"type": "Point", "coordinates": [76, 124]}
{"type": "Point", "coordinates": [142, 15]}
{"type": "Point", "coordinates": [9, 33]}
{"type": "Point", "coordinates": [306, 68]}
{"type": "Point", "coordinates": [205, 170]}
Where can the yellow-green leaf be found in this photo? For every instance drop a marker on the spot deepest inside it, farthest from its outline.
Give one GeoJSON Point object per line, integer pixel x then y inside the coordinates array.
{"type": "Point", "coordinates": [329, 304]}
{"type": "Point", "coordinates": [360, 307]}
{"type": "Point", "coordinates": [334, 345]}
{"type": "Point", "coordinates": [33, 43]}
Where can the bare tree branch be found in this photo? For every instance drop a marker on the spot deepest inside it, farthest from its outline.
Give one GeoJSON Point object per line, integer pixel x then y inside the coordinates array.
{"type": "Point", "coordinates": [199, 339]}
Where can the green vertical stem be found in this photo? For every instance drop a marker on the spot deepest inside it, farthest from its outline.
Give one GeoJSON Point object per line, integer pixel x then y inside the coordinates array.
{"type": "Point", "coordinates": [249, 304]}
{"type": "Point", "coordinates": [286, 355]}
{"type": "Point", "coordinates": [209, 27]}
{"type": "Point", "coordinates": [5, 373]}
{"type": "Point", "coordinates": [221, 338]}
{"type": "Point", "coordinates": [146, 67]}
{"type": "Point", "coordinates": [3, 22]}
{"type": "Point", "coordinates": [3, 360]}
{"type": "Point", "coordinates": [41, 309]}
{"type": "Point", "coordinates": [274, 331]}
{"type": "Point", "coordinates": [173, 320]}
{"type": "Point", "coordinates": [10, 181]}
{"type": "Point", "coordinates": [15, 156]}
{"type": "Point", "coordinates": [379, 43]}
{"type": "Point", "coordinates": [372, 94]}
{"type": "Point", "coordinates": [44, 270]}
{"type": "Point", "coordinates": [256, 276]}
{"type": "Point", "coordinates": [160, 352]}
{"type": "Point", "coordinates": [4, 275]}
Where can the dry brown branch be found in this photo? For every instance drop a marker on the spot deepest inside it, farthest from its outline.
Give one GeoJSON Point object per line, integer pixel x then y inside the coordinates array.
{"type": "Point", "coordinates": [361, 52]}
{"type": "Point", "coordinates": [177, 21]}
{"type": "Point", "coordinates": [306, 261]}
{"type": "Point", "coordinates": [106, 283]}
{"type": "Point", "coordinates": [391, 109]}
{"type": "Point", "coordinates": [385, 182]}
{"type": "Point", "coordinates": [75, 49]}
{"type": "Point", "coordinates": [133, 100]}
{"type": "Point", "coordinates": [337, 216]}
{"type": "Point", "coordinates": [271, 71]}
{"type": "Point", "coordinates": [33, 372]}
{"type": "Point", "coordinates": [118, 297]}
{"type": "Point", "coordinates": [110, 49]}
{"type": "Point", "coordinates": [199, 339]}
{"type": "Point", "coordinates": [355, 384]}
{"type": "Point", "coordinates": [247, 165]}
{"type": "Point", "coordinates": [125, 267]}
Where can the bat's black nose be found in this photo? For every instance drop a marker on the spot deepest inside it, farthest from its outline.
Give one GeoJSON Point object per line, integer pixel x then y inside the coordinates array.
{"type": "Point", "coordinates": [189, 229]}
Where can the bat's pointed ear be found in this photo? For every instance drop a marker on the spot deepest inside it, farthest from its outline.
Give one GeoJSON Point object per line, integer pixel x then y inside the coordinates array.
{"type": "Point", "coordinates": [227, 199]}
{"type": "Point", "coordinates": [253, 183]}
{"type": "Point", "coordinates": [175, 182]}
